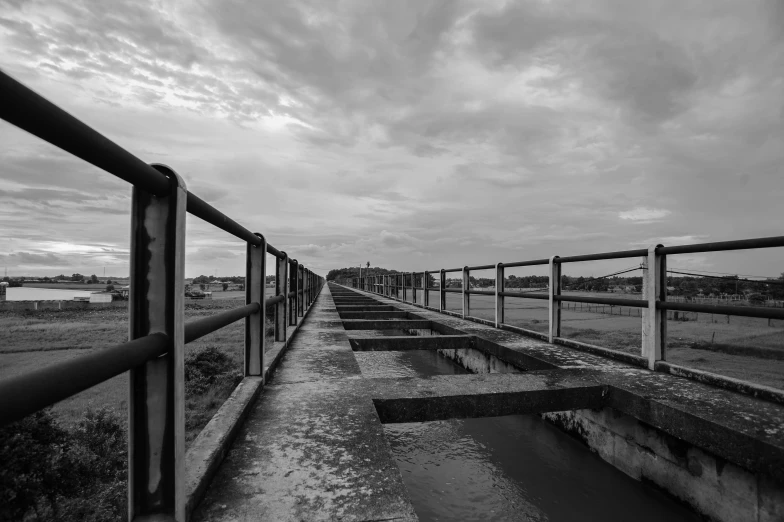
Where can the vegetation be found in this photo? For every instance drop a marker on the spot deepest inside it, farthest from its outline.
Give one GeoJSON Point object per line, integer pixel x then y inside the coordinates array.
{"type": "Point", "coordinates": [68, 462]}
{"type": "Point", "coordinates": [348, 273]}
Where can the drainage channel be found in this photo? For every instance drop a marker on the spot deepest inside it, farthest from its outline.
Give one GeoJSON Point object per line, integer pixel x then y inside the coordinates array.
{"type": "Point", "coordinates": [496, 468]}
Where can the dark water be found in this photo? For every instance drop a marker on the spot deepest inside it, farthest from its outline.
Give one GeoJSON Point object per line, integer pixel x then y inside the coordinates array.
{"type": "Point", "coordinates": [506, 468]}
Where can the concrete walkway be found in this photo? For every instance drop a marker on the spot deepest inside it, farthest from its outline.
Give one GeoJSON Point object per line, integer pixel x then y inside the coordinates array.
{"type": "Point", "coordinates": [313, 448]}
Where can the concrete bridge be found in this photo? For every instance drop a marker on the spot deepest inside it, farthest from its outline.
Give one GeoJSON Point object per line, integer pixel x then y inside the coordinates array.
{"type": "Point", "coordinates": [313, 448]}
{"type": "Point", "coordinates": [301, 438]}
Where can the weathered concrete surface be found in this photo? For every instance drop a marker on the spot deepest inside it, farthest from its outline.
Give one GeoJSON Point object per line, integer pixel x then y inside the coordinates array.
{"type": "Point", "coordinates": [407, 342]}
{"type": "Point", "coordinates": [313, 447]}
{"type": "Point", "coordinates": [374, 315]}
{"type": "Point", "coordinates": [483, 395]}
{"type": "Point", "coordinates": [391, 324]}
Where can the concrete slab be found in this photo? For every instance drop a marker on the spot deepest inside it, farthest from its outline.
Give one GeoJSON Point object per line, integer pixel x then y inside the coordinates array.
{"type": "Point", "coordinates": [409, 342]}
{"type": "Point", "coordinates": [391, 324]}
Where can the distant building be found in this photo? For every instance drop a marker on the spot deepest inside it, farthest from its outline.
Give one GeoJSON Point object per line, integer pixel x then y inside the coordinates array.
{"type": "Point", "coordinates": [100, 297]}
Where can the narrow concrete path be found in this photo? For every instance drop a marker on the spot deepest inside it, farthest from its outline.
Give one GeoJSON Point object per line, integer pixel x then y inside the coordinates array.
{"type": "Point", "coordinates": [313, 448]}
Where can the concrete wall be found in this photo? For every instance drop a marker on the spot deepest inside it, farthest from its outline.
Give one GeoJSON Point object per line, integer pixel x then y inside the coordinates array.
{"type": "Point", "coordinates": [713, 487]}
{"type": "Point", "coordinates": [57, 305]}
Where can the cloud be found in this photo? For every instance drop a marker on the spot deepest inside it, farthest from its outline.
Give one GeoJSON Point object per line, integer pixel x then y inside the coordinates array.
{"type": "Point", "coordinates": [422, 133]}
{"type": "Point", "coordinates": [644, 215]}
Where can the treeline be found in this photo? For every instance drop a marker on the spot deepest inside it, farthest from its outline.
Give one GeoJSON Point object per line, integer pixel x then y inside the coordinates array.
{"type": "Point", "coordinates": [688, 286]}
{"type": "Point", "coordinates": [682, 285]}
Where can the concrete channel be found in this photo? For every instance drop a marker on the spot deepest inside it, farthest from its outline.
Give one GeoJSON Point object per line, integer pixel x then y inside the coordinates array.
{"type": "Point", "coordinates": [314, 446]}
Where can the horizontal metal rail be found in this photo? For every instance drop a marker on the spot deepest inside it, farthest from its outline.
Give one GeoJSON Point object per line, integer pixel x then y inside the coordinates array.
{"type": "Point", "coordinates": [744, 311]}
{"type": "Point", "coordinates": [635, 303]}
{"type": "Point", "coordinates": [722, 246]}
{"type": "Point", "coordinates": [532, 262]}
{"type": "Point", "coordinates": [524, 295]}
{"type": "Point", "coordinates": [274, 300]}
{"type": "Point", "coordinates": [622, 254]}
{"type": "Point", "coordinates": [25, 394]}
{"type": "Point", "coordinates": [480, 267]}
{"type": "Point", "coordinates": [201, 327]}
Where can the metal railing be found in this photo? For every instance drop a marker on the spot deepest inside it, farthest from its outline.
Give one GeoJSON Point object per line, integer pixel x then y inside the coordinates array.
{"type": "Point", "coordinates": [654, 305]}
{"type": "Point", "coordinates": [154, 354]}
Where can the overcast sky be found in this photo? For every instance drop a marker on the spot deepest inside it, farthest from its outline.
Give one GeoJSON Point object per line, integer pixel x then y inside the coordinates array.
{"type": "Point", "coordinates": [414, 135]}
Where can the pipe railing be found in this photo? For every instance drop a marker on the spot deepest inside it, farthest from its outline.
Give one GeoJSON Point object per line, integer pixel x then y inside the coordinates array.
{"type": "Point", "coordinates": [154, 354]}
{"type": "Point", "coordinates": [654, 304]}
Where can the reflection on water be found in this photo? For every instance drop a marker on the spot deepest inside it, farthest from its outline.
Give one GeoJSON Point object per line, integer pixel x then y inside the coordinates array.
{"type": "Point", "coordinates": [506, 468]}
{"type": "Point", "coordinates": [517, 468]}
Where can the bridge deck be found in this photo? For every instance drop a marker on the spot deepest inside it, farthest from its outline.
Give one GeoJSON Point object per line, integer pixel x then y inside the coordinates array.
{"type": "Point", "coordinates": [313, 447]}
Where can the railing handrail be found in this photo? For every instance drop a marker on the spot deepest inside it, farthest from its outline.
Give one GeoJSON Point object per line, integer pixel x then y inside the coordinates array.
{"type": "Point", "coordinates": [654, 264]}
{"type": "Point", "coordinates": [155, 354]}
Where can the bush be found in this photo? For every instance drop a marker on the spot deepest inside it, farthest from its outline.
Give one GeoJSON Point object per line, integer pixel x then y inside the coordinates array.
{"type": "Point", "coordinates": [53, 473]}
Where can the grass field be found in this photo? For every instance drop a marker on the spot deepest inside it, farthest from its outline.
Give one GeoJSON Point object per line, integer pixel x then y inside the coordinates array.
{"type": "Point", "coordinates": [744, 348]}
{"type": "Point", "coordinates": [33, 339]}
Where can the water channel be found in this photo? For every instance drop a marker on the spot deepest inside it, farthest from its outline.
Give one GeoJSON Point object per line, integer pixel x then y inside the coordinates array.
{"type": "Point", "coordinates": [507, 468]}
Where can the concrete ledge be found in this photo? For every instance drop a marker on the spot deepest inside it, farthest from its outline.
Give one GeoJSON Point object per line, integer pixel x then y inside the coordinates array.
{"type": "Point", "coordinates": [484, 395]}
{"type": "Point", "coordinates": [393, 324]}
{"type": "Point", "coordinates": [728, 383]}
{"type": "Point", "coordinates": [208, 451]}
{"type": "Point", "coordinates": [373, 315]}
{"type": "Point", "coordinates": [634, 360]}
{"type": "Point", "coordinates": [405, 342]}
{"type": "Point", "coordinates": [211, 445]}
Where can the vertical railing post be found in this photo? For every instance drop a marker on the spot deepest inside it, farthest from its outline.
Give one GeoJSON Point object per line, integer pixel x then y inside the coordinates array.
{"type": "Point", "coordinates": [403, 286]}
{"type": "Point", "coordinates": [425, 292]}
{"type": "Point", "coordinates": [655, 329]}
{"type": "Point", "coordinates": [281, 288]}
{"type": "Point", "coordinates": [442, 291]}
{"type": "Point", "coordinates": [499, 298]}
{"type": "Point", "coordinates": [554, 306]}
{"type": "Point", "coordinates": [466, 295]}
{"type": "Point", "coordinates": [301, 284]}
{"type": "Point", "coordinates": [413, 288]}
{"type": "Point", "coordinates": [156, 407]}
{"type": "Point", "coordinates": [294, 287]}
{"type": "Point", "coordinates": [255, 330]}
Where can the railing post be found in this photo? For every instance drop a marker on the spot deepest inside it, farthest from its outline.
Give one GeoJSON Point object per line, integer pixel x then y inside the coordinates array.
{"type": "Point", "coordinates": [255, 338]}
{"type": "Point", "coordinates": [293, 287]}
{"type": "Point", "coordinates": [555, 306]}
{"type": "Point", "coordinates": [303, 293]}
{"type": "Point", "coordinates": [413, 288]}
{"type": "Point", "coordinates": [499, 299]}
{"type": "Point", "coordinates": [156, 406]}
{"type": "Point", "coordinates": [442, 291]}
{"type": "Point", "coordinates": [403, 286]}
{"type": "Point", "coordinates": [425, 293]}
{"type": "Point", "coordinates": [466, 295]}
{"type": "Point", "coordinates": [655, 329]}
{"type": "Point", "coordinates": [281, 288]}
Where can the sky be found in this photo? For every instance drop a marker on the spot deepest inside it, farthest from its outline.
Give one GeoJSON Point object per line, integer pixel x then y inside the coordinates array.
{"type": "Point", "coordinates": [415, 135]}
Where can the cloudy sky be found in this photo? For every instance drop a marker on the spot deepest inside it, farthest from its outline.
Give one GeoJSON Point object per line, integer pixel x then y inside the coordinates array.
{"type": "Point", "coordinates": [414, 135]}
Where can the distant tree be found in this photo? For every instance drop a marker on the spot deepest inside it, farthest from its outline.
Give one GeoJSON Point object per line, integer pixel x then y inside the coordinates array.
{"type": "Point", "coordinates": [109, 288]}
{"type": "Point", "coordinates": [6, 279]}
{"type": "Point", "coordinates": [94, 279]}
{"type": "Point", "coordinates": [225, 286]}
{"type": "Point", "coordinates": [14, 283]}
{"type": "Point", "coordinates": [108, 281]}
{"type": "Point", "coordinates": [202, 279]}
{"type": "Point", "coordinates": [77, 277]}
{"type": "Point", "coordinates": [368, 264]}
{"type": "Point", "coordinates": [203, 286]}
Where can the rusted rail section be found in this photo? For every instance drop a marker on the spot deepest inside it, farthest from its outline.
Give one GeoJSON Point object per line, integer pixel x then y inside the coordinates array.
{"type": "Point", "coordinates": [154, 354]}
{"type": "Point", "coordinates": [655, 305]}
